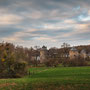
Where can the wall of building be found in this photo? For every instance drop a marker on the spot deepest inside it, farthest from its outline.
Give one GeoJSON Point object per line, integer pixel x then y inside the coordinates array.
{"type": "Point", "coordinates": [43, 56]}
{"type": "Point", "coordinates": [73, 54]}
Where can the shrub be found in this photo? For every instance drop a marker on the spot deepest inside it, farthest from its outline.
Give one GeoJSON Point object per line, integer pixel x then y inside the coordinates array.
{"type": "Point", "coordinates": [51, 62]}
{"type": "Point", "coordinates": [10, 67]}
{"type": "Point", "coordinates": [13, 69]}
{"type": "Point", "coordinates": [20, 69]}
{"type": "Point", "coordinates": [75, 62]}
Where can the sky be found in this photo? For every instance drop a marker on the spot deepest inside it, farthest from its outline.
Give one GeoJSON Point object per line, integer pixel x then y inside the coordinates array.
{"type": "Point", "coordinates": [45, 22]}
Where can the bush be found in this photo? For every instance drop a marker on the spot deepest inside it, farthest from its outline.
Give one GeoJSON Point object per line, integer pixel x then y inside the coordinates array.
{"type": "Point", "coordinates": [10, 67]}
{"type": "Point", "coordinates": [75, 62]}
{"type": "Point", "coordinates": [13, 70]}
{"type": "Point", "coordinates": [51, 62]}
{"type": "Point", "coordinates": [20, 69]}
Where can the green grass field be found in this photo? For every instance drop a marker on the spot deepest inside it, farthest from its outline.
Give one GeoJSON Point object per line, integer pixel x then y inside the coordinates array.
{"type": "Point", "coordinates": [60, 78]}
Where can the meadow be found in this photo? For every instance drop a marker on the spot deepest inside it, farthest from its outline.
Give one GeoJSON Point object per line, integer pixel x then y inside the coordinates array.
{"type": "Point", "coordinates": [43, 78]}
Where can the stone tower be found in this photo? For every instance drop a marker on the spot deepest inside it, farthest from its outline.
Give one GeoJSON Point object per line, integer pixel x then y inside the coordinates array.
{"type": "Point", "coordinates": [73, 53]}
{"type": "Point", "coordinates": [43, 54]}
{"type": "Point", "coordinates": [83, 54]}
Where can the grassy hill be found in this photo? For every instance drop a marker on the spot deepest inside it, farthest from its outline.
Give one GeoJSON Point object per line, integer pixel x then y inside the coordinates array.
{"type": "Point", "coordinates": [60, 78]}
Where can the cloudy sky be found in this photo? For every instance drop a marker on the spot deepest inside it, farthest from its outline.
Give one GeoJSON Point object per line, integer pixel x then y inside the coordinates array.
{"type": "Point", "coordinates": [45, 22]}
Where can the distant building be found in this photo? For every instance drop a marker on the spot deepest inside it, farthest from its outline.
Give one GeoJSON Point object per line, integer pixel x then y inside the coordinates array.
{"type": "Point", "coordinates": [73, 53]}
{"type": "Point", "coordinates": [35, 55]}
{"type": "Point", "coordinates": [88, 55]}
{"type": "Point", "coordinates": [83, 54]}
{"type": "Point", "coordinates": [43, 54]}
{"type": "Point", "coordinates": [35, 58]}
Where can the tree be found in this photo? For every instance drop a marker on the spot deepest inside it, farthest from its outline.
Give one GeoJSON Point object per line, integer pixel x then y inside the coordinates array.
{"type": "Point", "coordinates": [10, 67]}
{"type": "Point", "coordinates": [65, 45]}
{"type": "Point", "coordinates": [51, 62]}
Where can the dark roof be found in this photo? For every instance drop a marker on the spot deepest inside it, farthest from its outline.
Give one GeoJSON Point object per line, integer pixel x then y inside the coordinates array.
{"type": "Point", "coordinates": [73, 49]}
{"type": "Point", "coordinates": [44, 47]}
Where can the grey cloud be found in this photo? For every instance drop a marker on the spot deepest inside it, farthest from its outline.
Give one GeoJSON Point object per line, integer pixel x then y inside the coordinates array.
{"type": "Point", "coordinates": [36, 13]}
{"type": "Point", "coordinates": [8, 31]}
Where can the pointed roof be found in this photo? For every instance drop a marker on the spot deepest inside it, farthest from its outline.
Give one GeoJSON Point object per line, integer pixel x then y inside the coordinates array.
{"type": "Point", "coordinates": [73, 49]}
{"type": "Point", "coordinates": [44, 48]}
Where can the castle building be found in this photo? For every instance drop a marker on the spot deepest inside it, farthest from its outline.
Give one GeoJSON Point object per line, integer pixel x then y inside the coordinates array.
{"type": "Point", "coordinates": [43, 54]}
{"type": "Point", "coordinates": [83, 54]}
{"type": "Point", "coordinates": [73, 53]}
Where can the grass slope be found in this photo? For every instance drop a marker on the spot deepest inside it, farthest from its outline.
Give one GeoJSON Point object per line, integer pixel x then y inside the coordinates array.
{"type": "Point", "coordinates": [60, 78]}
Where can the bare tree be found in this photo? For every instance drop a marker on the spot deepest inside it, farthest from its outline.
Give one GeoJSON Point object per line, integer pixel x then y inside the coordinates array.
{"type": "Point", "coordinates": [65, 45]}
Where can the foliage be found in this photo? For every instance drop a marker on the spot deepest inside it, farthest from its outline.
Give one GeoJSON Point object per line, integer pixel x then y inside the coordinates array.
{"type": "Point", "coordinates": [10, 67]}
{"type": "Point", "coordinates": [51, 62]}
{"type": "Point", "coordinates": [65, 45]}
{"type": "Point", "coordinates": [74, 62]}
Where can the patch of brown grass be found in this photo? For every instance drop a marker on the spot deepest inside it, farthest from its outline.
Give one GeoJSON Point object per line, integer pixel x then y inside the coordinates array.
{"type": "Point", "coordinates": [7, 84]}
